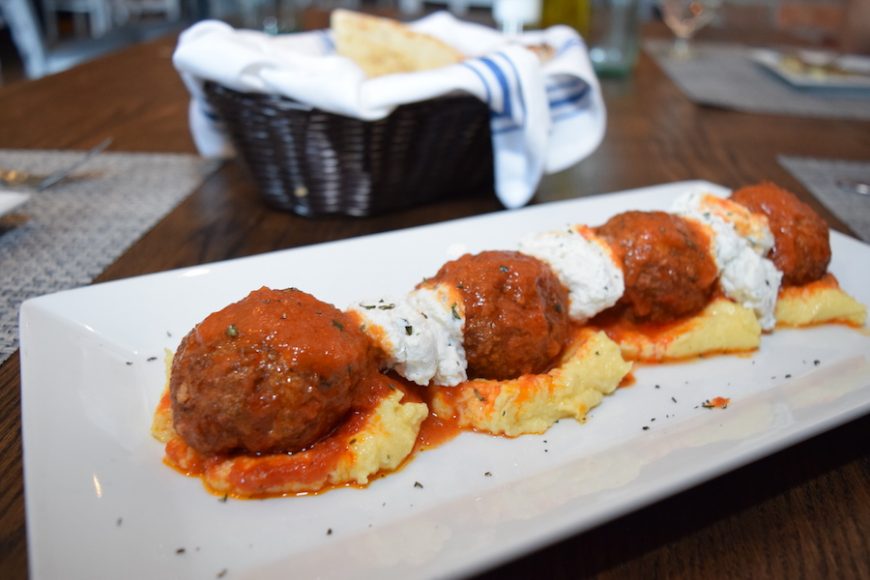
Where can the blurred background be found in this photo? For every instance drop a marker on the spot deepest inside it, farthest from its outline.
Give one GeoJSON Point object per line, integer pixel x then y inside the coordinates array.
{"type": "Point", "coordinates": [41, 37]}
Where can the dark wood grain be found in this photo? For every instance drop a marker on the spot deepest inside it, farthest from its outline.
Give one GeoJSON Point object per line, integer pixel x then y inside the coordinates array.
{"type": "Point", "coordinates": [801, 513]}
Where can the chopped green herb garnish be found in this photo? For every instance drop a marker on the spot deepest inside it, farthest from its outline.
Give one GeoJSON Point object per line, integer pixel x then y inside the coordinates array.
{"type": "Point", "coordinates": [455, 311]}
{"type": "Point", "coordinates": [232, 331]}
{"type": "Point", "coordinates": [409, 330]}
{"type": "Point", "coordinates": [338, 324]}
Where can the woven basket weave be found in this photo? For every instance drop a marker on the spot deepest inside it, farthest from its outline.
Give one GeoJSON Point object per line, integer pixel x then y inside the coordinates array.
{"type": "Point", "coordinates": [318, 163]}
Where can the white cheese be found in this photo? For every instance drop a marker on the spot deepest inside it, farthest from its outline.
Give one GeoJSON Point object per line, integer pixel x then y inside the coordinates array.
{"type": "Point", "coordinates": [584, 264]}
{"type": "Point", "coordinates": [739, 243]}
{"type": "Point", "coordinates": [420, 335]}
{"type": "Point", "coordinates": [403, 334]}
{"type": "Point", "coordinates": [752, 227]}
{"type": "Point", "coordinates": [443, 307]}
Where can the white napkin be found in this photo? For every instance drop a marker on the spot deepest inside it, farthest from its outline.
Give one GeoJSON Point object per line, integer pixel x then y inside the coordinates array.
{"type": "Point", "coordinates": [544, 117]}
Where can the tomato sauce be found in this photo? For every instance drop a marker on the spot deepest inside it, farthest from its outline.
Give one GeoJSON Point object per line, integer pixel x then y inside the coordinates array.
{"type": "Point", "coordinates": [802, 249]}
{"type": "Point", "coordinates": [272, 372]}
{"type": "Point", "coordinates": [669, 271]}
{"type": "Point", "coordinates": [516, 312]}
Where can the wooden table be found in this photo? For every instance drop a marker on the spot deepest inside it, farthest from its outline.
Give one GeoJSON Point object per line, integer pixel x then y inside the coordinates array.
{"type": "Point", "coordinates": [803, 512]}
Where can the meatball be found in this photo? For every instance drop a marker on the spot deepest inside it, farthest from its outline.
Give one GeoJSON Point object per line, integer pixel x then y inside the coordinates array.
{"type": "Point", "coordinates": [669, 271]}
{"type": "Point", "coordinates": [273, 372]}
{"type": "Point", "coordinates": [516, 312]}
{"type": "Point", "coordinates": [801, 248]}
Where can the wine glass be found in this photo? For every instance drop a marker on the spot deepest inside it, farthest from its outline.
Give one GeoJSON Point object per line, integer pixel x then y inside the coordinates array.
{"type": "Point", "coordinates": [685, 18]}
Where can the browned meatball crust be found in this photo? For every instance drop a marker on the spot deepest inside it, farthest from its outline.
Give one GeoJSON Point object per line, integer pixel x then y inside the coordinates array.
{"type": "Point", "coordinates": [669, 272]}
{"type": "Point", "coordinates": [516, 312]}
{"type": "Point", "coordinates": [273, 372]}
{"type": "Point", "coordinates": [802, 247]}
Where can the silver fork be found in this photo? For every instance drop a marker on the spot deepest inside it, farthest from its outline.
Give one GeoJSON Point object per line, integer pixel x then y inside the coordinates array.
{"type": "Point", "coordinates": [38, 182]}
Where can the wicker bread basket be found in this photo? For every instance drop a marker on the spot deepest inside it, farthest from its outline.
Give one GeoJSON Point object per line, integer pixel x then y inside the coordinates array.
{"type": "Point", "coordinates": [318, 163]}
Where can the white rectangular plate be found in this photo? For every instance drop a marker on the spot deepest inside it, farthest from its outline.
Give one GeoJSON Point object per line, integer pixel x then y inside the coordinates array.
{"type": "Point", "coordinates": [9, 200]}
{"type": "Point", "coordinates": [776, 63]}
{"type": "Point", "coordinates": [101, 504]}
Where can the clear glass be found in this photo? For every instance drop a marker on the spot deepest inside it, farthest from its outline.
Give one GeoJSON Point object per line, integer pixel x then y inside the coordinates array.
{"type": "Point", "coordinates": [613, 36]}
{"type": "Point", "coordinates": [270, 16]}
{"type": "Point", "coordinates": [685, 18]}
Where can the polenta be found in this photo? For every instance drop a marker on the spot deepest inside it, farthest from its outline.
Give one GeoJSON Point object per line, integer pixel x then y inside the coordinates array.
{"type": "Point", "coordinates": [590, 368]}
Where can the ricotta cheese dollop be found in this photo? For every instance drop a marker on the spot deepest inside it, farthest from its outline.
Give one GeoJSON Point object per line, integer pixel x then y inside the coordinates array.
{"type": "Point", "coordinates": [740, 241]}
{"type": "Point", "coordinates": [420, 335]}
{"type": "Point", "coordinates": [584, 264]}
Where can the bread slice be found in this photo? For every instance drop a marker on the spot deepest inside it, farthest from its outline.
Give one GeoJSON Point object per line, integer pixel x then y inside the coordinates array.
{"type": "Point", "coordinates": [381, 46]}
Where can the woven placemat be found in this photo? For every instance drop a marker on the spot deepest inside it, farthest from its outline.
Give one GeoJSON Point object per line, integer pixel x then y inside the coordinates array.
{"type": "Point", "coordinates": [832, 182]}
{"type": "Point", "coordinates": [723, 75]}
{"type": "Point", "coordinates": [65, 236]}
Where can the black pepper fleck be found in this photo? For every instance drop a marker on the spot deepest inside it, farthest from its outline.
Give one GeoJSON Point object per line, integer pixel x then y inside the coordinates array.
{"type": "Point", "coordinates": [222, 573]}
{"type": "Point", "coordinates": [180, 551]}
{"type": "Point", "coordinates": [151, 358]}
{"type": "Point", "coordinates": [418, 485]}
{"type": "Point", "coordinates": [329, 531]}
